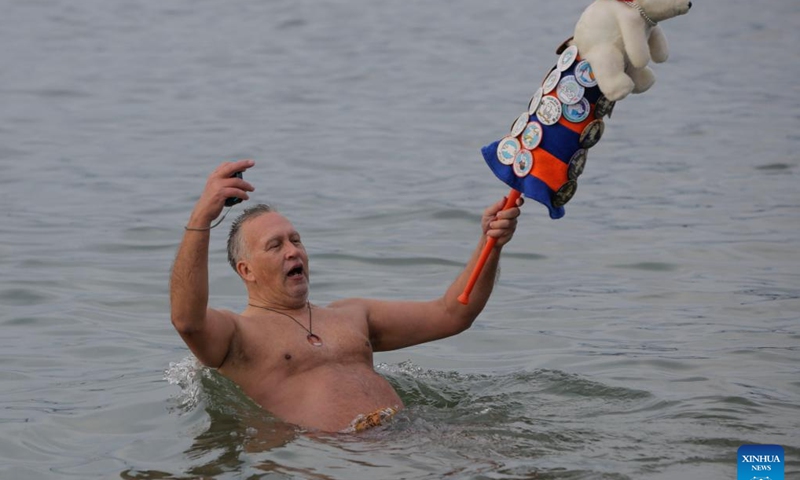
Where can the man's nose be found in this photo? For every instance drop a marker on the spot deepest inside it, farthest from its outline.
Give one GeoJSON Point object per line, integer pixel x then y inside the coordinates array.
{"type": "Point", "coordinates": [292, 250]}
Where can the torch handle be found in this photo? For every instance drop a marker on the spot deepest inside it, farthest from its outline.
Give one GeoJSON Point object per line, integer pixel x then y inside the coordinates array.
{"type": "Point", "coordinates": [511, 201]}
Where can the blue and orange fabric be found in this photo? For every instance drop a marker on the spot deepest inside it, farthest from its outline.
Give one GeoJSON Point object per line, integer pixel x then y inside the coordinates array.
{"type": "Point", "coordinates": [551, 158]}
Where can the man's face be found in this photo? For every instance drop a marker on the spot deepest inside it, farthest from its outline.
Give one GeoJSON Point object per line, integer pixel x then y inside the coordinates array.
{"type": "Point", "coordinates": [276, 259]}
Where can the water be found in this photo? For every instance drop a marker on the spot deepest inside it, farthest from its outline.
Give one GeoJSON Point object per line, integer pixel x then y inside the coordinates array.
{"type": "Point", "coordinates": [648, 334]}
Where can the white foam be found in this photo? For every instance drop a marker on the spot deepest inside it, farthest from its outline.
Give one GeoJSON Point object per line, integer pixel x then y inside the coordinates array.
{"type": "Point", "coordinates": [187, 375]}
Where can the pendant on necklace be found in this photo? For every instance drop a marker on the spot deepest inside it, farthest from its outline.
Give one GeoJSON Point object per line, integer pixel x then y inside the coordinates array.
{"type": "Point", "coordinates": [314, 340]}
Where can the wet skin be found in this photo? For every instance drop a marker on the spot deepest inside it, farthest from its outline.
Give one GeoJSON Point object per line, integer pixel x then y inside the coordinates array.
{"type": "Point", "coordinates": [264, 349]}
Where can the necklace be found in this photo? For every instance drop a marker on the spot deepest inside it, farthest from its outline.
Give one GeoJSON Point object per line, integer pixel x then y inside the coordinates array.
{"type": "Point", "coordinates": [311, 337]}
{"type": "Point", "coordinates": [633, 4]}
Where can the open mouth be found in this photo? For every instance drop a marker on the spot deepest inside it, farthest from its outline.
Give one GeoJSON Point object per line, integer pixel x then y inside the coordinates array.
{"type": "Point", "coordinates": [298, 270]}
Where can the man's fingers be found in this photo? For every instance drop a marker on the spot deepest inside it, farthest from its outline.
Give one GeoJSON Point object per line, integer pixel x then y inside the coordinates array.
{"type": "Point", "coordinates": [225, 185]}
{"type": "Point", "coordinates": [512, 212]}
{"type": "Point", "coordinates": [235, 187]}
{"type": "Point", "coordinates": [499, 223]}
{"type": "Point", "coordinates": [493, 209]}
{"type": "Point", "coordinates": [234, 192]}
{"type": "Point", "coordinates": [503, 224]}
{"type": "Point", "coordinates": [239, 183]}
{"type": "Point", "coordinates": [498, 207]}
{"type": "Point", "coordinates": [227, 169]}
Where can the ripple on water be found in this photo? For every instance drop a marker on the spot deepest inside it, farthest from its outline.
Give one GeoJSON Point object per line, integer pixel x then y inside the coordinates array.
{"type": "Point", "coordinates": [774, 167]}
{"type": "Point", "coordinates": [24, 296]}
{"type": "Point", "coordinates": [485, 422]}
{"type": "Point", "coordinates": [649, 266]}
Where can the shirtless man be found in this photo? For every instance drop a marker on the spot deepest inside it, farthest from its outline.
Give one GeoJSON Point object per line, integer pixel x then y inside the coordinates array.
{"type": "Point", "coordinates": [306, 364]}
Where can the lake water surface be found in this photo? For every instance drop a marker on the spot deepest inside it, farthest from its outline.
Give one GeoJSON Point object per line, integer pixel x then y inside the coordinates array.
{"type": "Point", "coordinates": [646, 335]}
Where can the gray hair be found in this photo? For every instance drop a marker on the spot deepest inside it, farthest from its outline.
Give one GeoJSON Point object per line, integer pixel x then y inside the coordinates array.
{"type": "Point", "coordinates": [235, 240]}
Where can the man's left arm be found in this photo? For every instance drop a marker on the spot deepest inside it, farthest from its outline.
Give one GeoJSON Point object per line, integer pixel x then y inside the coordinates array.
{"type": "Point", "coordinates": [399, 324]}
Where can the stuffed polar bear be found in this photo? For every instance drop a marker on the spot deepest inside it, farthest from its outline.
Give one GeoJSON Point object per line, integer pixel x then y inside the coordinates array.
{"type": "Point", "coordinates": [619, 38]}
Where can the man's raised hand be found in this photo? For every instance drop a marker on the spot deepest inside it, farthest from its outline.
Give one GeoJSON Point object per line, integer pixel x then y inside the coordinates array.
{"type": "Point", "coordinates": [220, 185]}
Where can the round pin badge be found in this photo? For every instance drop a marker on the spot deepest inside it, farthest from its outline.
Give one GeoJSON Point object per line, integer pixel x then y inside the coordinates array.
{"type": "Point", "coordinates": [603, 107]}
{"type": "Point", "coordinates": [523, 163]}
{"type": "Point", "coordinates": [565, 193]}
{"type": "Point", "coordinates": [563, 46]}
{"type": "Point", "coordinates": [551, 82]}
{"type": "Point", "coordinates": [507, 149]}
{"type": "Point", "coordinates": [584, 74]}
{"type": "Point", "coordinates": [549, 112]}
{"type": "Point", "coordinates": [535, 101]}
{"type": "Point", "coordinates": [577, 164]}
{"type": "Point", "coordinates": [578, 112]}
{"type": "Point", "coordinates": [519, 124]}
{"type": "Point", "coordinates": [569, 91]}
{"type": "Point", "coordinates": [567, 58]}
{"type": "Point", "coordinates": [592, 134]}
{"type": "Point", "coordinates": [532, 136]}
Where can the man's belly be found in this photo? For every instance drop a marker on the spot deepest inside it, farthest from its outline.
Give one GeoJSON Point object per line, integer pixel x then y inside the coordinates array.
{"type": "Point", "coordinates": [329, 397]}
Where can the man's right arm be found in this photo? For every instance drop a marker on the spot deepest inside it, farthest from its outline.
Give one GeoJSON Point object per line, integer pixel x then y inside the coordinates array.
{"type": "Point", "coordinates": [206, 331]}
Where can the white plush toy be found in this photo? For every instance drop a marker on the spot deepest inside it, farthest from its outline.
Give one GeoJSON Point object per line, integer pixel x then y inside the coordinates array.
{"type": "Point", "coordinates": [619, 38]}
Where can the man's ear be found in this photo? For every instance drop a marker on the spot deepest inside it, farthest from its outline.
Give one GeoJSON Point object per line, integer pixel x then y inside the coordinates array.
{"type": "Point", "coordinates": [244, 271]}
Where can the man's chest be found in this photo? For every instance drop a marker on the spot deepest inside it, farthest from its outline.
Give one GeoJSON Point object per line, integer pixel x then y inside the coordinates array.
{"type": "Point", "coordinates": [285, 347]}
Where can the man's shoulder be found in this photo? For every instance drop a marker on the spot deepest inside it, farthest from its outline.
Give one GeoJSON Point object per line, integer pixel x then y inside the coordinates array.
{"type": "Point", "coordinates": [224, 313]}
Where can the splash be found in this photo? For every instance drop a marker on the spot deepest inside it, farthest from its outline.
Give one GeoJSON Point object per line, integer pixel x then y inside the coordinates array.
{"type": "Point", "coordinates": [203, 386]}
{"type": "Point", "coordinates": [422, 387]}
{"type": "Point", "coordinates": [412, 370]}
{"type": "Point", "coordinates": [403, 368]}
{"type": "Point", "coordinates": [187, 374]}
